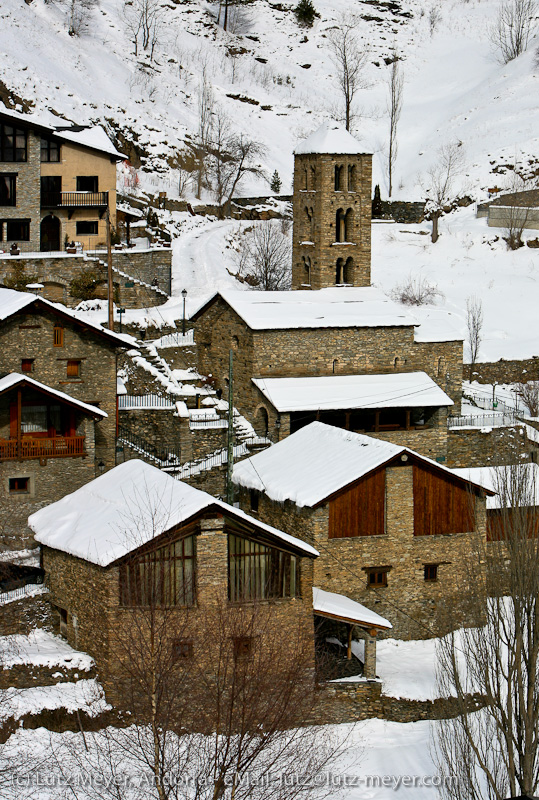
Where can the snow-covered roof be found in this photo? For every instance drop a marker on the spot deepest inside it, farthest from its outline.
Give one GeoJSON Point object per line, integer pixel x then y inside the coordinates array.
{"type": "Point", "coordinates": [325, 308]}
{"type": "Point", "coordinates": [127, 507]}
{"type": "Point", "coordinates": [401, 390]}
{"type": "Point", "coordinates": [318, 460]}
{"type": "Point", "coordinates": [12, 301]}
{"type": "Point", "coordinates": [330, 138]}
{"type": "Point", "coordinates": [337, 605]}
{"type": "Point", "coordinates": [92, 136]}
{"type": "Point", "coordinates": [437, 325]}
{"type": "Point", "coordinates": [520, 481]}
{"type": "Point", "coordinates": [15, 379]}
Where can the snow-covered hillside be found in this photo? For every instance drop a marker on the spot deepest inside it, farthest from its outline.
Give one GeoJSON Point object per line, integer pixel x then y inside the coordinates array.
{"type": "Point", "coordinates": [454, 89]}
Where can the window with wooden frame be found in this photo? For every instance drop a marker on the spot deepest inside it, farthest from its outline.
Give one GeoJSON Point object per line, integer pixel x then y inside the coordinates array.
{"type": "Point", "coordinates": [18, 230]}
{"type": "Point", "coordinates": [58, 336]}
{"type": "Point", "coordinates": [259, 572]}
{"type": "Point", "coordinates": [50, 150]}
{"type": "Point", "coordinates": [13, 143]}
{"type": "Point", "coordinates": [27, 365]}
{"type": "Point", "coordinates": [377, 577]}
{"type": "Point", "coordinates": [182, 648]}
{"type": "Point", "coordinates": [430, 572]}
{"type": "Point", "coordinates": [162, 577]}
{"type": "Point", "coordinates": [73, 369]}
{"type": "Point", "coordinates": [19, 485]}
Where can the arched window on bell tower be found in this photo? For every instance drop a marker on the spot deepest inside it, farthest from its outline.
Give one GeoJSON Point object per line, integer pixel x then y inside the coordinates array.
{"type": "Point", "coordinates": [338, 178]}
{"type": "Point", "coordinates": [351, 178]}
{"type": "Point", "coordinates": [307, 270]}
{"type": "Point", "coordinates": [340, 225]}
{"type": "Point", "coordinates": [339, 271]}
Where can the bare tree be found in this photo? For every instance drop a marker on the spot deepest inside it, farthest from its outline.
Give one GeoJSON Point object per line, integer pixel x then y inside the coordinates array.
{"type": "Point", "coordinates": [205, 123]}
{"type": "Point", "coordinates": [350, 58]}
{"type": "Point", "coordinates": [78, 12]}
{"type": "Point", "coordinates": [394, 108]}
{"type": "Point", "coordinates": [265, 256]}
{"type": "Point", "coordinates": [529, 394]}
{"type": "Point", "coordinates": [515, 24]}
{"type": "Point", "coordinates": [243, 155]}
{"type": "Point", "coordinates": [441, 182]}
{"type": "Point", "coordinates": [494, 752]}
{"type": "Point", "coordinates": [474, 326]}
{"type": "Point", "coordinates": [144, 20]}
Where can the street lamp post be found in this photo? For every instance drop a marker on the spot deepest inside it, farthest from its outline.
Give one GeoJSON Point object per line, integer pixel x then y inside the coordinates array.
{"type": "Point", "coordinates": [184, 295]}
{"type": "Point", "coordinates": [120, 312]}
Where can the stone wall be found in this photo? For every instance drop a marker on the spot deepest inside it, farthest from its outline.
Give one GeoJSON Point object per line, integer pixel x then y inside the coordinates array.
{"type": "Point", "coordinates": [476, 447]}
{"type": "Point", "coordinates": [502, 371]}
{"type": "Point", "coordinates": [31, 336]}
{"type": "Point", "coordinates": [134, 272]}
{"type": "Point", "coordinates": [403, 211]}
{"type": "Point", "coordinates": [417, 608]}
{"type": "Point", "coordinates": [28, 196]}
{"type": "Point", "coordinates": [316, 202]}
{"type": "Point", "coordinates": [24, 615]}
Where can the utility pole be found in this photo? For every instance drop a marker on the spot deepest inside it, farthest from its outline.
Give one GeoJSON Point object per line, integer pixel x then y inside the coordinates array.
{"type": "Point", "coordinates": [230, 437]}
{"type": "Point", "coordinates": [109, 273]}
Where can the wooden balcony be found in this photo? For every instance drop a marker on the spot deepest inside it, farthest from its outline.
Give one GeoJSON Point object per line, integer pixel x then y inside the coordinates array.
{"type": "Point", "coordinates": [55, 447]}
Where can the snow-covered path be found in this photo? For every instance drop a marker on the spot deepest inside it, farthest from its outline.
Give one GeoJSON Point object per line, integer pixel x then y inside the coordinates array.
{"type": "Point", "coordinates": [199, 263]}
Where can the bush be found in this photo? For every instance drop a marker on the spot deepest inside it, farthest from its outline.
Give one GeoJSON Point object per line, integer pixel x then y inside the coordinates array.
{"type": "Point", "coordinates": [84, 286]}
{"type": "Point", "coordinates": [416, 292]}
{"type": "Point", "coordinates": [306, 12]}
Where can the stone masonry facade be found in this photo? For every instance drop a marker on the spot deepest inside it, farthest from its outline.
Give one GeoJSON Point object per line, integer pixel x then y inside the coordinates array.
{"type": "Point", "coordinates": [417, 609]}
{"type": "Point", "coordinates": [96, 622]}
{"type": "Point", "coordinates": [30, 335]}
{"type": "Point", "coordinates": [332, 221]}
{"type": "Point", "coordinates": [28, 193]}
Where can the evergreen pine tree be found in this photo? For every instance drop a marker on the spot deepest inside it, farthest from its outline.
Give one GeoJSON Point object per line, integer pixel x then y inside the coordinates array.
{"type": "Point", "coordinates": [275, 183]}
{"type": "Point", "coordinates": [377, 203]}
{"type": "Point", "coordinates": [305, 12]}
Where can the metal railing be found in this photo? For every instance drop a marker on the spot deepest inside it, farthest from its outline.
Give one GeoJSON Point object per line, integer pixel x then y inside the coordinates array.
{"type": "Point", "coordinates": [163, 455]}
{"type": "Point", "coordinates": [145, 401]}
{"type": "Point", "coordinates": [53, 447]}
{"type": "Point", "coordinates": [496, 419]}
{"type": "Point", "coordinates": [74, 199]}
{"type": "Point", "coordinates": [176, 340]}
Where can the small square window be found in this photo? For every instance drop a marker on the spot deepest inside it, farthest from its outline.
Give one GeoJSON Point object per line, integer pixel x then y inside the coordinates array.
{"type": "Point", "coordinates": [182, 648]}
{"type": "Point", "coordinates": [87, 183]}
{"type": "Point", "coordinates": [243, 647]}
{"type": "Point", "coordinates": [19, 485]}
{"type": "Point", "coordinates": [377, 577]}
{"type": "Point", "coordinates": [87, 228]}
{"type": "Point", "coordinates": [27, 365]}
{"type": "Point", "coordinates": [58, 336]}
{"type": "Point", "coordinates": [431, 572]}
{"type": "Point", "coordinates": [254, 497]}
{"type": "Point", "coordinates": [73, 369]}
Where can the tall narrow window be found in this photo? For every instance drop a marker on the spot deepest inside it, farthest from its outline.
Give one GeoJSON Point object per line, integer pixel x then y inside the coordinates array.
{"type": "Point", "coordinates": [351, 178]}
{"type": "Point", "coordinates": [338, 178]}
{"type": "Point", "coordinates": [340, 226]}
{"type": "Point", "coordinates": [8, 185]}
{"type": "Point", "coordinates": [58, 336]}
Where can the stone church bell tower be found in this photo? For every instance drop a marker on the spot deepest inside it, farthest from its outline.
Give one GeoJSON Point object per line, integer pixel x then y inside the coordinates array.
{"type": "Point", "coordinates": [332, 211]}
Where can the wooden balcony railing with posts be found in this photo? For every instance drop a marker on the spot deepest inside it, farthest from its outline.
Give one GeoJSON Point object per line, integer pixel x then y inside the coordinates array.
{"type": "Point", "coordinates": [54, 447]}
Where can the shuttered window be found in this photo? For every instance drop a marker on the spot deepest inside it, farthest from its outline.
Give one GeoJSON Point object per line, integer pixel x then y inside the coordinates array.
{"type": "Point", "coordinates": [360, 511]}
{"type": "Point", "coordinates": [441, 505]}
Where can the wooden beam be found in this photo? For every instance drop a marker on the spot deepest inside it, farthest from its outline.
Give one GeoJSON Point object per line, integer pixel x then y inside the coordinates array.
{"type": "Point", "coordinates": [19, 421]}
{"type": "Point", "coordinates": [349, 648]}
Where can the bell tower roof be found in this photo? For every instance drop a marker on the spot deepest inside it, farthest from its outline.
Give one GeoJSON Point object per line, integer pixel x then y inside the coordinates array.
{"type": "Point", "coordinates": [330, 138]}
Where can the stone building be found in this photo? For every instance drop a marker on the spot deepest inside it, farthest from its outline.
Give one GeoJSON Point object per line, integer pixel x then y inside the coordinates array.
{"type": "Point", "coordinates": [56, 183]}
{"type": "Point", "coordinates": [112, 535]}
{"type": "Point", "coordinates": [138, 539]}
{"type": "Point", "coordinates": [384, 369]}
{"type": "Point", "coordinates": [47, 449]}
{"type": "Point", "coordinates": [332, 211]}
{"type": "Point", "coordinates": [394, 530]}
{"type": "Point", "coordinates": [52, 345]}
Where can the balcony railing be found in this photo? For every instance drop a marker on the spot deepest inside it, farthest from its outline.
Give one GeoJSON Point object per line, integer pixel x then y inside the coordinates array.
{"type": "Point", "coordinates": [74, 199]}
{"type": "Point", "coordinates": [54, 447]}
